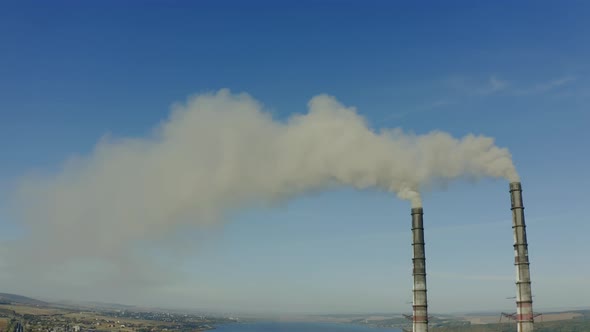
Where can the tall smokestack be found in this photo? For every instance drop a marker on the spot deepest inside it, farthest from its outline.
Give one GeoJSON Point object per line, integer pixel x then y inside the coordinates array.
{"type": "Point", "coordinates": [524, 298]}
{"type": "Point", "coordinates": [420, 305]}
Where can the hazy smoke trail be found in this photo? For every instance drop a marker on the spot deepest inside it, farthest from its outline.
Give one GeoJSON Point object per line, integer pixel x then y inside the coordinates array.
{"type": "Point", "coordinates": [221, 151]}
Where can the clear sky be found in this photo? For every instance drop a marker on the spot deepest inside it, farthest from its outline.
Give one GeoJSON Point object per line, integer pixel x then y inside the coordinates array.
{"type": "Point", "coordinates": [71, 72]}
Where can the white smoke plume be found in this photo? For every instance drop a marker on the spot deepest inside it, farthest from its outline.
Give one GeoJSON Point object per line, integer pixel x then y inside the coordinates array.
{"type": "Point", "coordinates": [220, 151]}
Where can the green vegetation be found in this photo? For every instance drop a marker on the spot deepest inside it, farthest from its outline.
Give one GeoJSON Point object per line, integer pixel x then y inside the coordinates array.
{"type": "Point", "coordinates": [580, 323]}
{"type": "Point", "coordinates": [557, 326]}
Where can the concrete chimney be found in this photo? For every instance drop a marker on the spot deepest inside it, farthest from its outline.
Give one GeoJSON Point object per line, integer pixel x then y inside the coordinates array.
{"type": "Point", "coordinates": [524, 298]}
{"type": "Point", "coordinates": [420, 305]}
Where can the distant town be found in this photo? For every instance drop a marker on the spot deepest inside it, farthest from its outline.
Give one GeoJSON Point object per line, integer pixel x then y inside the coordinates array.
{"type": "Point", "coordinates": [22, 314]}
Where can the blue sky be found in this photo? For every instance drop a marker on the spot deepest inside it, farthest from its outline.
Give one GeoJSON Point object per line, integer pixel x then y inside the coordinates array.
{"type": "Point", "coordinates": [71, 72]}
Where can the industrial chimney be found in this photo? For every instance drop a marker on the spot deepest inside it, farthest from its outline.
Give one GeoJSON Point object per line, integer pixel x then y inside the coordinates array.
{"type": "Point", "coordinates": [420, 305]}
{"type": "Point", "coordinates": [524, 298]}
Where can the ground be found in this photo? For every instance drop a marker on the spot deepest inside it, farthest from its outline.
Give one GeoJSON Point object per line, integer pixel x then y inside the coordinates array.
{"type": "Point", "coordinates": [3, 324]}
{"type": "Point", "coordinates": [549, 317]}
{"type": "Point", "coordinates": [59, 318]}
{"type": "Point", "coordinates": [31, 310]}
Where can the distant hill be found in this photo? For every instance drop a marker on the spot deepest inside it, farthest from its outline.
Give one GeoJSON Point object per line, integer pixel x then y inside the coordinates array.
{"type": "Point", "coordinates": [6, 298]}
{"type": "Point", "coordinates": [106, 305]}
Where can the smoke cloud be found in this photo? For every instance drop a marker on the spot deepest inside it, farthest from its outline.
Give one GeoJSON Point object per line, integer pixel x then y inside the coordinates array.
{"type": "Point", "coordinates": [222, 151]}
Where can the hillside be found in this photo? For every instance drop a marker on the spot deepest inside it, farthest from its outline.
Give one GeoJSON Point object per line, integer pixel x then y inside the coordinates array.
{"type": "Point", "coordinates": [6, 298]}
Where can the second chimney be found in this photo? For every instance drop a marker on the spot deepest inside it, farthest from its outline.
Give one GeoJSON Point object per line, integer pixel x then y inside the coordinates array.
{"type": "Point", "coordinates": [420, 304]}
{"type": "Point", "coordinates": [524, 298]}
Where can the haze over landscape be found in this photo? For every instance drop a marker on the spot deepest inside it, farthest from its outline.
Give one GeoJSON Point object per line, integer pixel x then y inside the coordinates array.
{"type": "Point", "coordinates": [263, 157]}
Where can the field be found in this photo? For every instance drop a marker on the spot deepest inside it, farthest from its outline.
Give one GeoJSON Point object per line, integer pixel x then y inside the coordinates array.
{"type": "Point", "coordinates": [575, 321]}
{"type": "Point", "coordinates": [569, 321]}
{"type": "Point", "coordinates": [30, 310]}
{"type": "Point", "coordinates": [109, 323]}
{"type": "Point", "coordinates": [549, 317]}
{"type": "Point", "coordinates": [3, 324]}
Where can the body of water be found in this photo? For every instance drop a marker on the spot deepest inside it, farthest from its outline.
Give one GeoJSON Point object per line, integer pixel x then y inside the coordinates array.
{"type": "Point", "coordinates": [298, 327]}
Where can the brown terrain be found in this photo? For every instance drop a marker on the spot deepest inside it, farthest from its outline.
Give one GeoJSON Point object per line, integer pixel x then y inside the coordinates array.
{"type": "Point", "coordinates": [31, 310]}
{"type": "Point", "coordinates": [549, 317]}
{"type": "Point", "coordinates": [3, 324]}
